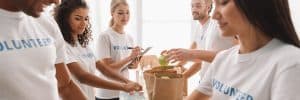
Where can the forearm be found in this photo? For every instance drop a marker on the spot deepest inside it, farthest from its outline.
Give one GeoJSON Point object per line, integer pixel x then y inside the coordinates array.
{"type": "Point", "coordinates": [88, 78]}
{"type": "Point", "coordinates": [203, 55]}
{"type": "Point", "coordinates": [103, 68]}
{"type": "Point", "coordinates": [119, 64]}
{"type": "Point", "coordinates": [71, 92]}
{"type": "Point", "coordinates": [196, 95]}
{"type": "Point", "coordinates": [97, 82]}
{"type": "Point", "coordinates": [192, 70]}
{"type": "Point", "coordinates": [68, 90]}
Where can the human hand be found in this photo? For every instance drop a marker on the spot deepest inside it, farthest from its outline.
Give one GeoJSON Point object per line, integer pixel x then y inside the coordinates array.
{"type": "Point", "coordinates": [132, 86]}
{"type": "Point", "coordinates": [178, 54]}
{"type": "Point", "coordinates": [135, 52]}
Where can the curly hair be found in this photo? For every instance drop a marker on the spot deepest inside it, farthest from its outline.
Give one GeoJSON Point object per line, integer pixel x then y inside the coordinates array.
{"type": "Point", "coordinates": [62, 14]}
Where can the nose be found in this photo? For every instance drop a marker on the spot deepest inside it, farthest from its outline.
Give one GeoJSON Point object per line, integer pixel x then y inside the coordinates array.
{"type": "Point", "coordinates": [193, 8]}
{"type": "Point", "coordinates": [84, 23]}
{"type": "Point", "coordinates": [216, 14]}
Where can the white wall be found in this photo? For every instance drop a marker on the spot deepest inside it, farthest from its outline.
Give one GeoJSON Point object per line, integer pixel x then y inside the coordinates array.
{"type": "Point", "coordinates": [294, 5]}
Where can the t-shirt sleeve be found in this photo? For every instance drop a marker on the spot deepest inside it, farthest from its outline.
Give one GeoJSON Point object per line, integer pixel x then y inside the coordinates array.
{"type": "Point", "coordinates": [58, 41]}
{"type": "Point", "coordinates": [70, 56]}
{"type": "Point", "coordinates": [206, 83]}
{"type": "Point", "coordinates": [132, 43]}
{"type": "Point", "coordinates": [60, 50]}
{"type": "Point", "coordinates": [205, 86]}
{"type": "Point", "coordinates": [286, 85]}
{"type": "Point", "coordinates": [103, 47]}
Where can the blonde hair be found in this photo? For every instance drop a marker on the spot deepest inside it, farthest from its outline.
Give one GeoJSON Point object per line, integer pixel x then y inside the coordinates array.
{"type": "Point", "coordinates": [113, 5]}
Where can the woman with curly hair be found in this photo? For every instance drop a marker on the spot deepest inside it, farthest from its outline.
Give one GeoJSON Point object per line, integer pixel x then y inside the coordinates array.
{"type": "Point", "coordinates": [72, 17]}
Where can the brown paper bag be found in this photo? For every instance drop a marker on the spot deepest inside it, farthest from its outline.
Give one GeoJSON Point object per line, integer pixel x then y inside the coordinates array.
{"type": "Point", "coordinates": [159, 88]}
{"type": "Point", "coordinates": [149, 81]}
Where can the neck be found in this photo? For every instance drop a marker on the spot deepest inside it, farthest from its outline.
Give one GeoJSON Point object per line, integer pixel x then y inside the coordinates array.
{"type": "Point", "coordinates": [204, 20]}
{"type": "Point", "coordinates": [8, 5]}
{"type": "Point", "coordinates": [252, 42]}
{"type": "Point", "coordinates": [118, 28]}
{"type": "Point", "coordinates": [75, 37]}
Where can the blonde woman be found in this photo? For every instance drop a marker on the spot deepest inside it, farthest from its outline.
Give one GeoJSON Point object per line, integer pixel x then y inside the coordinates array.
{"type": "Point", "coordinates": [115, 47]}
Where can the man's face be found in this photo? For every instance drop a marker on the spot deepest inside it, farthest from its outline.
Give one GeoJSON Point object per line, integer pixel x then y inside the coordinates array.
{"type": "Point", "coordinates": [33, 7]}
{"type": "Point", "coordinates": [199, 9]}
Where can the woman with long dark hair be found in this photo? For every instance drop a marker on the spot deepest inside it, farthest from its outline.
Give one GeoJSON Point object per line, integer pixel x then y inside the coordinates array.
{"type": "Point", "coordinates": [265, 65]}
{"type": "Point", "coordinates": [73, 20]}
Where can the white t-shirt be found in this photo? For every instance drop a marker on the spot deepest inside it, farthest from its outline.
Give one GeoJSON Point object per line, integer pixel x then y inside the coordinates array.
{"type": "Point", "coordinates": [113, 45]}
{"type": "Point", "coordinates": [85, 57]}
{"type": "Point", "coordinates": [208, 37]}
{"type": "Point", "coordinates": [29, 49]}
{"type": "Point", "coordinates": [269, 73]}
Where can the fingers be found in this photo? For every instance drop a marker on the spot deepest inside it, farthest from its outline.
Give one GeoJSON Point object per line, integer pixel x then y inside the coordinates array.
{"type": "Point", "coordinates": [138, 87]}
{"type": "Point", "coordinates": [175, 55]}
{"type": "Point", "coordinates": [172, 55]}
{"type": "Point", "coordinates": [164, 52]}
{"type": "Point", "coordinates": [135, 51]}
{"type": "Point", "coordinates": [132, 86]}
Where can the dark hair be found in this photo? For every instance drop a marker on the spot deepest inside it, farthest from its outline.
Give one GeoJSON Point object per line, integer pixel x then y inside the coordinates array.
{"type": "Point", "coordinates": [62, 15]}
{"type": "Point", "coordinates": [271, 17]}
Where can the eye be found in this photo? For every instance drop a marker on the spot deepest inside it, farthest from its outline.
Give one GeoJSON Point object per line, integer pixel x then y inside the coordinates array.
{"type": "Point", "coordinates": [86, 19]}
{"type": "Point", "coordinates": [77, 18]}
{"type": "Point", "coordinates": [224, 2]}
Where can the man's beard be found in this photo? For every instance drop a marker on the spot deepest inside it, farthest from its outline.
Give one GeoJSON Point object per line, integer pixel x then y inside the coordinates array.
{"type": "Point", "coordinates": [198, 16]}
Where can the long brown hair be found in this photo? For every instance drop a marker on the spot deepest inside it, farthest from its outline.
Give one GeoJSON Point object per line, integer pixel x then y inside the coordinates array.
{"type": "Point", "coordinates": [272, 17]}
{"type": "Point", "coordinates": [62, 16]}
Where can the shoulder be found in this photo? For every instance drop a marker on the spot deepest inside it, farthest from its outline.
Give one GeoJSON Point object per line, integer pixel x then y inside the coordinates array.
{"type": "Point", "coordinates": [280, 56]}
{"type": "Point", "coordinates": [224, 54]}
{"type": "Point", "coordinates": [47, 23]}
{"type": "Point", "coordinates": [128, 36]}
{"type": "Point", "coordinates": [286, 54]}
{"type": "Point", "coordinates": [105, 34]}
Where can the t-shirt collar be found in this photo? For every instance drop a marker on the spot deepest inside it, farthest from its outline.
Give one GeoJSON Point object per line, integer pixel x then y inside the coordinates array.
{"type": "Point", "coordinates": [14, 15]}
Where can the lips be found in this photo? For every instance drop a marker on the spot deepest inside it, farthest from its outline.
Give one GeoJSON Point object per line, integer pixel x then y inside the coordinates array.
{"type": "Point", "coordinates": [222, 24]}
{"type": "Point", "coordinates": [41, 8]}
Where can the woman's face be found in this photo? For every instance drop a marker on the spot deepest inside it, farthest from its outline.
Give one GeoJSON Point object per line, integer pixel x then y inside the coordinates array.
{"type": "Point", "coordinates": [79, 20]}
{"type": "Point", "coordinates": [231, 21]}
{"type": "Point", "coordinates": [121, 15]}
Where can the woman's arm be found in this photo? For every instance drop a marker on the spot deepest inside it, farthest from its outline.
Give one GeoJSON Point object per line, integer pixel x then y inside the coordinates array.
{"type": "Point", "coordinates": [196, 95]}
{"type": "Point", "coordinates": [119, 64]}
{"type": "Point", "coordinates": [92, 80]}
{"type": "Point", "coordinates": [104, 69]}
{"type": "Point", "coordinates": [67, 89]}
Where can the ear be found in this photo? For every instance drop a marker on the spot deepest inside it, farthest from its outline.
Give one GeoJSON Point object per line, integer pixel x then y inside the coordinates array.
{"type": "Point", "coordinates": [209, 7]}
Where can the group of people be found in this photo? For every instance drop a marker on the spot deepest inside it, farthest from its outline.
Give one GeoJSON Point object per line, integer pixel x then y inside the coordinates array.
{"type": "Point", "coordinates": [46, 57]}
{"type": "Point", "coordinates": [263, 66]}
